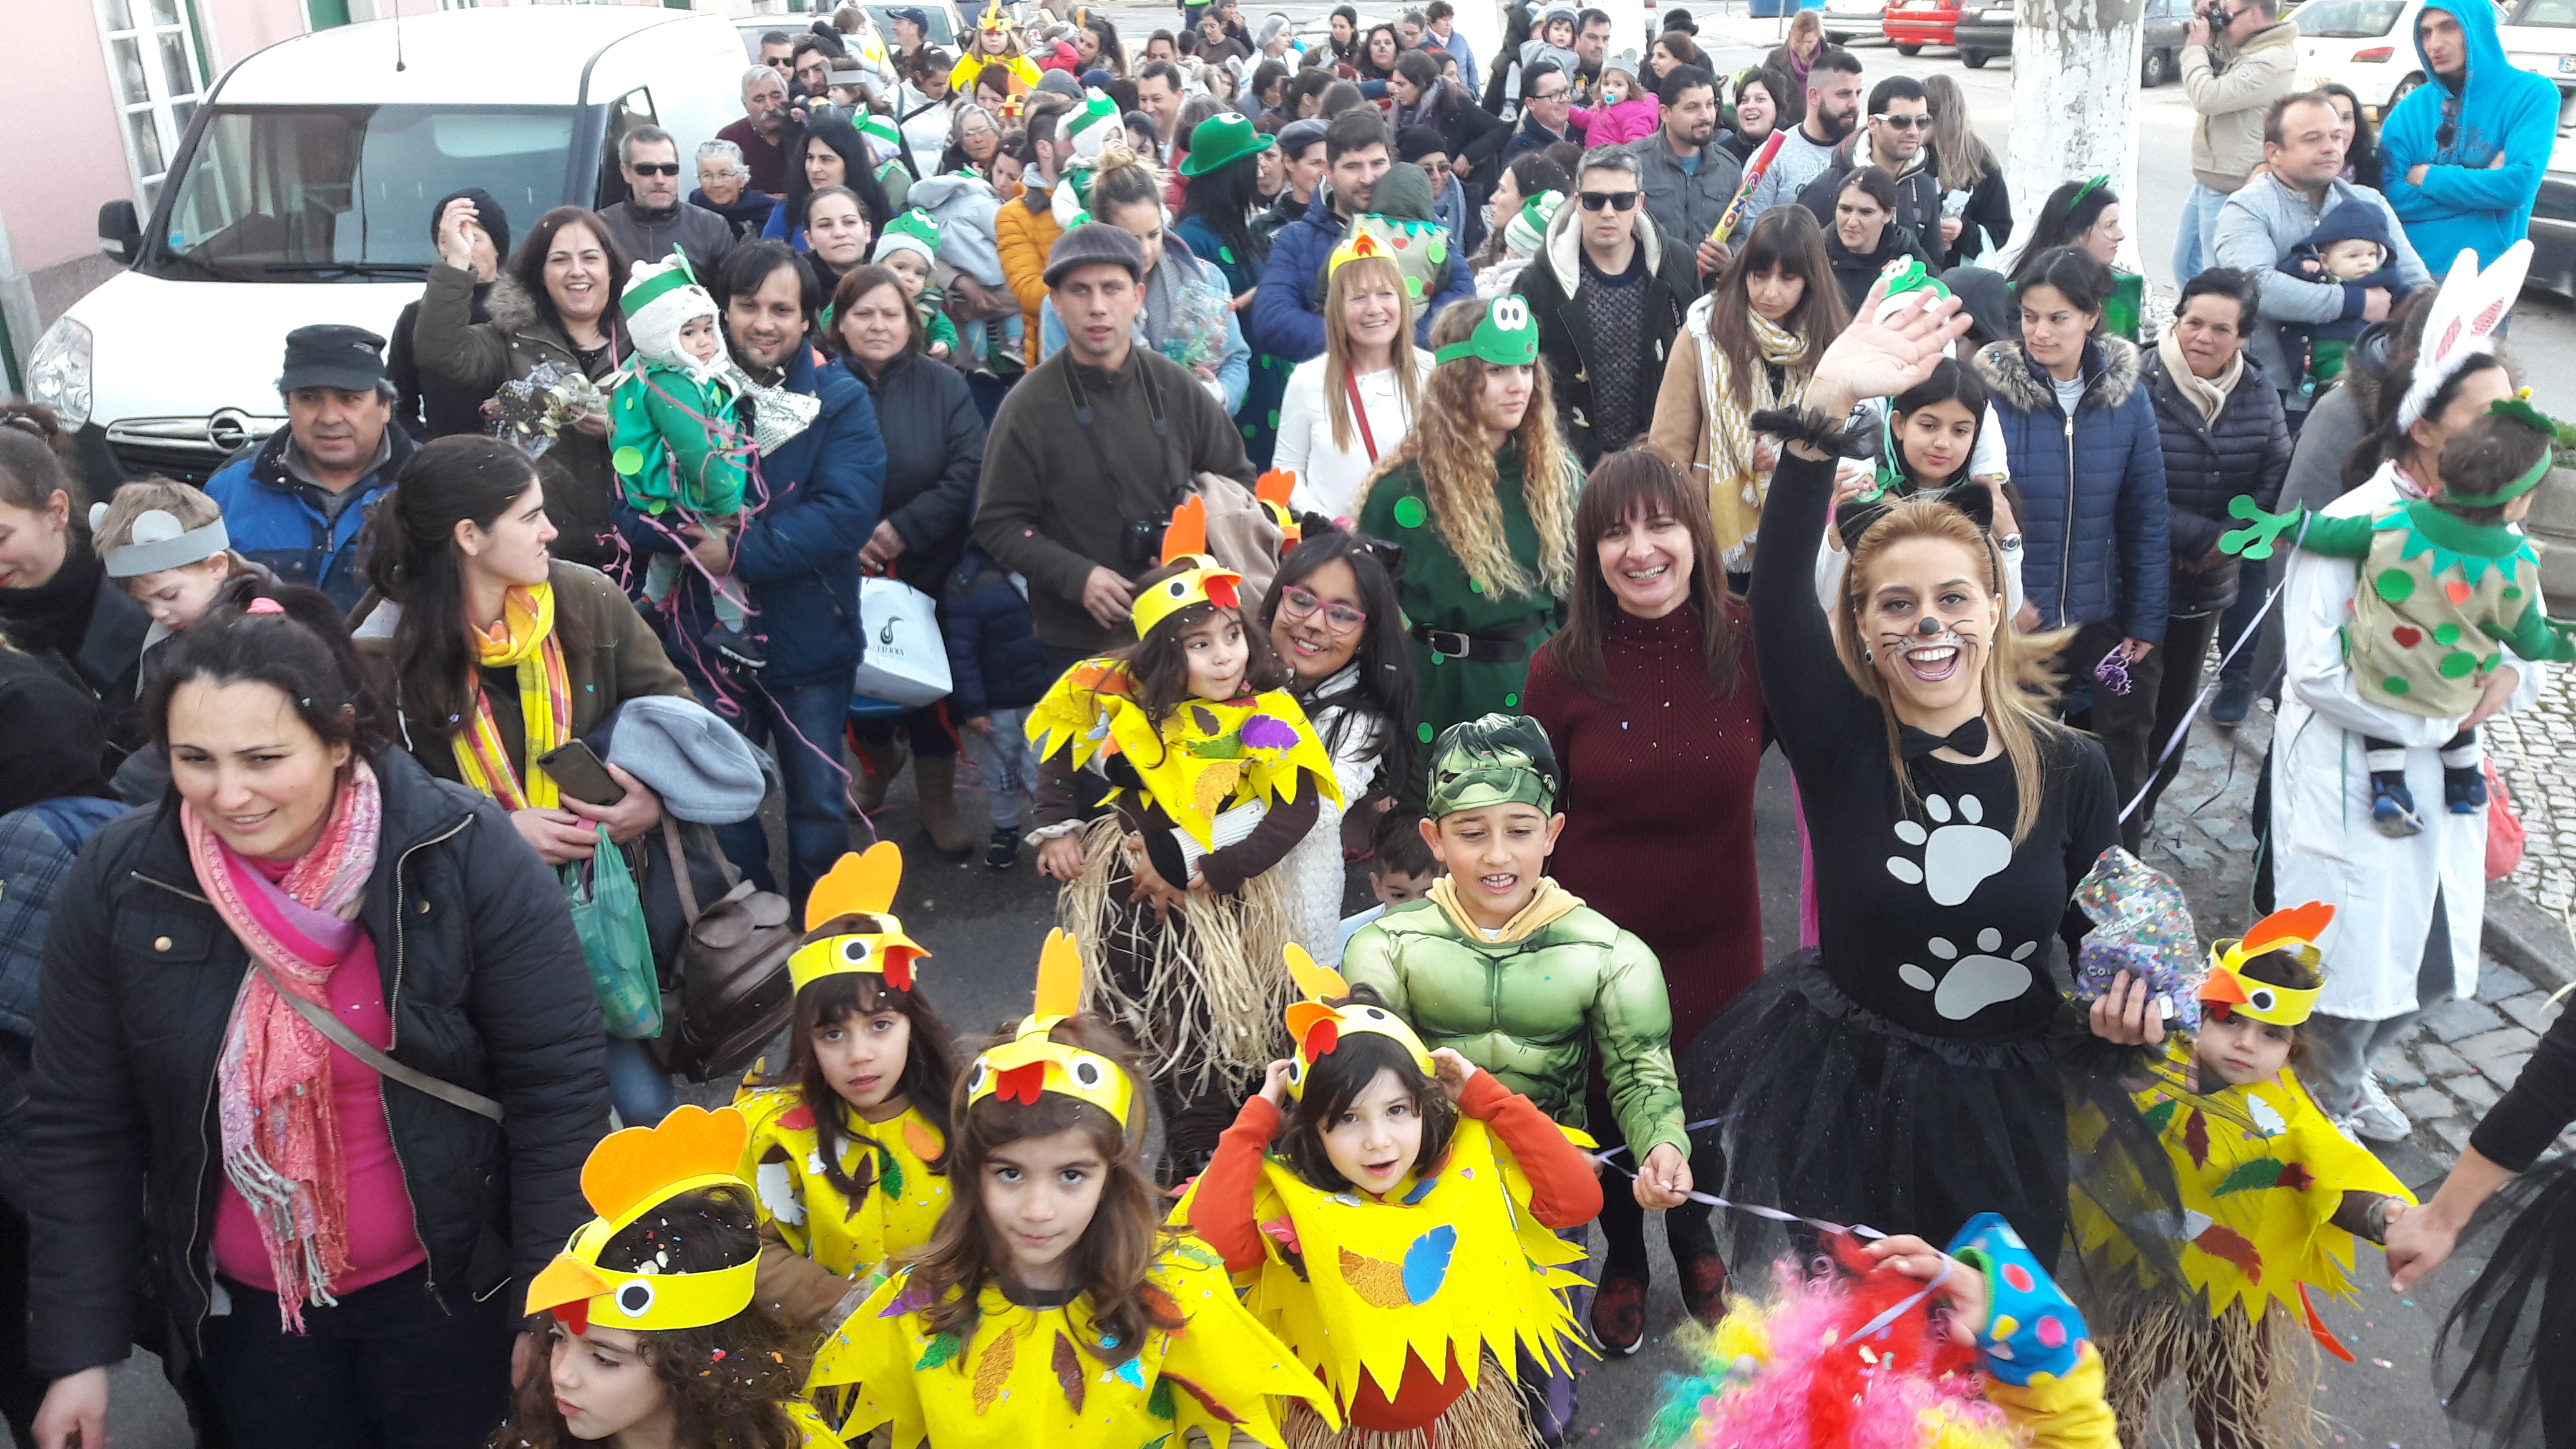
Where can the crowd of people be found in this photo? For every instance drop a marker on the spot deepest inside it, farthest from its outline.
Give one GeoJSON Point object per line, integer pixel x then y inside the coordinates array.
{"type": "Point", "coordinates": [1308, 451]}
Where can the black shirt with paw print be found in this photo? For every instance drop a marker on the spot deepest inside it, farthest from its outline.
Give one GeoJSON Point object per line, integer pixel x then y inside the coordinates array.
{"type": "Point", "coordinates": [1929, 916]}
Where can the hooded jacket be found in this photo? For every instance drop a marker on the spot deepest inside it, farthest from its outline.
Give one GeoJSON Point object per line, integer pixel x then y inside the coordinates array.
{"type": "Point", "coordinates": [1552, 284]}
{"type": "Point", "coordinates": [1918, 194]}
{"type": "Point", "coordinates": [1288, 312]}
{"type": "Point", "coordinates": [1024, 231]}
{"type": "Point", "coordinates": [2244, 452]}
{"type": "Point", "coordinates": [2227, 134]}
{"type": "Point", "coordinates": [2094, 519]}
{"type": "Point", "coordinates": [486, 986]}
{"type": "Point", "coordinates": [2467, 201]}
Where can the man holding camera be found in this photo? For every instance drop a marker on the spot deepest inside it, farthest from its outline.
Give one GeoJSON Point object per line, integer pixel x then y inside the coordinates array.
{"type": "Point", "coordinates": [2237, 60]}
{"type": "Point", "coordinates": [1091, 451]}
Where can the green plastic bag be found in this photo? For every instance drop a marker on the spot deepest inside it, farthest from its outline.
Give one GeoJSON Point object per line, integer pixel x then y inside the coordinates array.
{"type": "Point", "coordinates": [609, 915]}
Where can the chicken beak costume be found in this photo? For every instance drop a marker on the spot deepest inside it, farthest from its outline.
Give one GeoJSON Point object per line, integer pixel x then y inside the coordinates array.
{"type": "Point", "coordinates": [858, 890]}
{"type": "Point", "coordinates": [1031, 1062]}
{"type": "Point", "coordinates": [1206, 582]}
{"type": "Point", "coordinates": [629, 1174]}
{"type": "Point", "coordinates": [1318, 1028]}
{"type": "Point", "coordinates": [2295, 930]}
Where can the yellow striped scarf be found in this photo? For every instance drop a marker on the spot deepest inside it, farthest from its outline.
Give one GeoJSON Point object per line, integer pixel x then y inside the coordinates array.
{"type": "Point", "coordinates": [524, 638]}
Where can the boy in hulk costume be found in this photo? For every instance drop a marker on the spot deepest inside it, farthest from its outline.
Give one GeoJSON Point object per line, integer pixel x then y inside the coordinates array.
{"type": "Point", "coordinates": [1517, 975]}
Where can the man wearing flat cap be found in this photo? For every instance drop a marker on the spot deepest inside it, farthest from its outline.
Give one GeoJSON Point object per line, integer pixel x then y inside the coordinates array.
{"type": "Point", "coordinates": [298, 501]}
{"type": "Point", "coordinates": [1090, 453]}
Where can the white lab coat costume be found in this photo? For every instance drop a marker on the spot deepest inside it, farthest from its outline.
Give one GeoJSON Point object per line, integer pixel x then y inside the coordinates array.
{"type": "Point", "coordinates": [2382, 889]}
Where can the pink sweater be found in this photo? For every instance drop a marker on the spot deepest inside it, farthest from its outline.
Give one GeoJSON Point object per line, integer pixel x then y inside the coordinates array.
{"type": "Point", "coordinates": [1631, 120]}
{"type": "Point", "coordinates": [382, 1242]}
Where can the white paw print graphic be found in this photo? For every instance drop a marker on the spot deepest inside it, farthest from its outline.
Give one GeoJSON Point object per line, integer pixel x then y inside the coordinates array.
{"type": "Point", "coordinates": [1973, 982]}
{"type": "Point", "coordinates": [1958, 857]}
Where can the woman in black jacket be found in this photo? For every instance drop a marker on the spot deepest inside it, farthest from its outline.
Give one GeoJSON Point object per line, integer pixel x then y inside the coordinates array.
{"type": "Point", "coordinates": [57, 603]}
{"type": "Point", "coordinates": [1864, 235]}
{"type": "Point", "coordinates": [339, 1255]}
{"type": "Point", "coordinates": [2224, 437]}
{"type": "Point", "coordinates": [934, 441]}
{"type": "Point", "coordinates": [1417, 96]}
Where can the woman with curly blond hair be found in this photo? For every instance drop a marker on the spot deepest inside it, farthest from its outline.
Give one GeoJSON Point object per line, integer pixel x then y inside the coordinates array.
{"type": "Point", "coordinates": [1481, 498]}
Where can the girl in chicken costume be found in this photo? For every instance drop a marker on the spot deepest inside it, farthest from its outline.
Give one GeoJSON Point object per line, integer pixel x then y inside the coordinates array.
{"type": "Point", "coordinates": [1085, 1324]}
{"type": "Point", "coordinates": [650, 1328]}
{"type": "Point", "coordinates": [2273, 1196]}
{"type": "Point", "coordinates": [849, 1143]}
{"type": "Point", "coordinates": [1395, 1280]}
{"type": "Point", "coordinates": [1215, 773]}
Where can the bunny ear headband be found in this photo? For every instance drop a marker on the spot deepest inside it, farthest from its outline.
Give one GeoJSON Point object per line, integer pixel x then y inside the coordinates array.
{"type": "Point", "coordinates": [2462, 324]}
{"type": "Point", "coordinates": [156, 542]}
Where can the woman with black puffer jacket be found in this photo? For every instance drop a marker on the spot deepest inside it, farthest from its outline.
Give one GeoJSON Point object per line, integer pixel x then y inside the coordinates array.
{"type": "Point", "coordinates": [2225, 437]}
{"type": "Point", "coordinates": [318, 1052]}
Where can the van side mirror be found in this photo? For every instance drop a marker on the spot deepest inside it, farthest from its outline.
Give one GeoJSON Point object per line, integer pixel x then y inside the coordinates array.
{"type": "Point", "coordinates": [120, 232]}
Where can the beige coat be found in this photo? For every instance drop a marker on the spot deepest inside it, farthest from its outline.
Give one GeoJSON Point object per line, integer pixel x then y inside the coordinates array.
{"type": "Point", "coordinates": [2227, 137]}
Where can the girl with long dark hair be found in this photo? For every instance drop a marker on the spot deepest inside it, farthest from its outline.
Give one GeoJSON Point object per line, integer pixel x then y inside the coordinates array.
{"type": "Point", "coordinates": [2361, 153]}
{"type": "Point", "coordinates": [2086, 216]}
{"type": "Point", "coordinates": [1220, 194]}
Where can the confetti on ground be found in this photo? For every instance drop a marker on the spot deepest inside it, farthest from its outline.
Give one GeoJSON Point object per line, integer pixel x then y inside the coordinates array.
{"type": "Point", "coordinates": [2383, 1363]}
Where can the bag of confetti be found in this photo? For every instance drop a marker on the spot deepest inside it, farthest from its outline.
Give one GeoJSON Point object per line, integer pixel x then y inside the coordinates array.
{"type": "Point", "coordinates": [531, 412]}
{"type": "Point", "coordinates": [2141, 925]}
{"type": "Point", "coordinates": [1198, 326]}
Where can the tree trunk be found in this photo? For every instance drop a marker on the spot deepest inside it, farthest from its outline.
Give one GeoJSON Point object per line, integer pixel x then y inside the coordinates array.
{"type": "Point", "coordinates": [2075, 93]}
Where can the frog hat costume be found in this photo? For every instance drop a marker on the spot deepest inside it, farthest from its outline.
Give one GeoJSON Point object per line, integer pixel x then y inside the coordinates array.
{"type": "Point", "coordinates": [1043, 1373]}
{"type": "Point", "coordinates": [890, 1186]}
{"type": "Point", "coordinates": [1408, 1305]}
{"type": "Point", "coordinates": [628, 1176]}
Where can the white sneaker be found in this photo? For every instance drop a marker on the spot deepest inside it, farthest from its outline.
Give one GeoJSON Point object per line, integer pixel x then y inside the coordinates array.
{"type": "Point", "coordinates": [2377, 1118]}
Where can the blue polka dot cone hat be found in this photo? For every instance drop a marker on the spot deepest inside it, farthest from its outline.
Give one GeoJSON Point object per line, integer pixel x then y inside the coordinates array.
{"type": "Point", "coordinates": [2032, 1333]}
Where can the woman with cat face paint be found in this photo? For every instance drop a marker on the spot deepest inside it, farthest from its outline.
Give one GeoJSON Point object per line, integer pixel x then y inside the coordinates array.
{"type": "Point", "coordinates": [1922, 1048]}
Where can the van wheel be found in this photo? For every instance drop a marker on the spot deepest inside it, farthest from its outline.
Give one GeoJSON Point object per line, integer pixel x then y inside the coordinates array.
{"type": "Point", "coordinates": [1973, 59]}
{"type": "Point", "coordinates": [2404, 88]}
{"type": "Point", "coordinates": [2152, 72]}
{"type": "Point", "coordinates": [1909, 50]}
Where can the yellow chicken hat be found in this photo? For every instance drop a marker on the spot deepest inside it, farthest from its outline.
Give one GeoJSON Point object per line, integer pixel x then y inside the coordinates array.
{"type": "Point", "coordinates": [2296, 930]}
{"type": "Point", "coordinates": [860, 885]}
{"type": "Point", "coordinates": [1273, 492]}
{"type": "Point", "coordinates": [1031, 1062]}
{"type": "Point", "coordinates": [1206, 582]}
{"type": "Point", "coordinates": [628, 1174]}
{"type": "Point", "coordinates": [1317, 1028]}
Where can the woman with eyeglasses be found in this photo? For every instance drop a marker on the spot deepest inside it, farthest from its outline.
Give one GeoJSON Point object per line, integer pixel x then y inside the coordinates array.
{"type": "Point", "coordinates": [1650, 698]}
{"type": "Point", "coordinates": [1333, 619]}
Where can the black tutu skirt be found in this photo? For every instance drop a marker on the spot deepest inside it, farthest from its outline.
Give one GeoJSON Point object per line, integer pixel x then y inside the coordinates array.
{"type": "Point", "coordinates": [2506, 1345]}
{"type": "Point", "coordinates": [1820, 1107]}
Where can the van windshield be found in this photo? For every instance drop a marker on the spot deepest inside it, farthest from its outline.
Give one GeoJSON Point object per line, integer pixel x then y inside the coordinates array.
{"type": "Point", "coordinates": [343, 193]}
{"type": "Point", "coordinates": [2348, 19]}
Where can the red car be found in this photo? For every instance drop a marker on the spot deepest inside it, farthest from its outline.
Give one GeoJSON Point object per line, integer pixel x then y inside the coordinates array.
{"type": "Point", "coordinates": [1913, 24]}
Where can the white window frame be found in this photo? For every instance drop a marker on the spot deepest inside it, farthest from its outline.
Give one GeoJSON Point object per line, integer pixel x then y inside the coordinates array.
{"type": "Point", "coordinates": [159, 103]}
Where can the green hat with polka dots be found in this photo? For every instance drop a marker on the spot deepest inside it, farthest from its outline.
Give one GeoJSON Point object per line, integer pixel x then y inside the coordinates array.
{"type": "Point", "coordinates": [1501, 759]}
{"type": "Point", "coordinates": [1505, 336]}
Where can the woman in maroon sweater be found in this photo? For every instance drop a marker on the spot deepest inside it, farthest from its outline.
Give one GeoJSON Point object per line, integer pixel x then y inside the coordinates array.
{"type": "Point", "coordinates": [1649, 696]}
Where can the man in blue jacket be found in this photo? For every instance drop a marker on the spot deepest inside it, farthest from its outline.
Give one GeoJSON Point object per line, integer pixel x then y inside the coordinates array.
{"type": "Point", "coordinates": [812, 503]}
{"type": "Point", "coordinates": [1288, 307]}
{"type": "Point", "coordinates": [2462, 155]}
{"type": "Point", "coordinates": [298, 501]}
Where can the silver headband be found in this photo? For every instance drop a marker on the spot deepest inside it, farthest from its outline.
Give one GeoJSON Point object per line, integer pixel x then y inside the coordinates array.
{"type": "Point", "coordinates": [177, 551]}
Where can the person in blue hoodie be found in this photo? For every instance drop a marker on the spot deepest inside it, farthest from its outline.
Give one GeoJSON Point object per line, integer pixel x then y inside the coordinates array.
{"type": "Point", "coordinates": [817, 485]}
{"type": "Point", "coordinates": [2353, 246]}
{"type": "Point", "coordinates": [2462, 155]}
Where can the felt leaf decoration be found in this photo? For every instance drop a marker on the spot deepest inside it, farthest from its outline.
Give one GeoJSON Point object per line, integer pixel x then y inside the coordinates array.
{"type": "Point", "coordinates": [863, 1176]}
{"type": "Point", "coordinates": [1159, 1402]}
{"type": "Point", "coordinates": [2195, 1138]}
{"type": "Point", "coordinates": [889, 1175]}
{"type": "Point", "coordinates": [1161, 1306]}
{"type": "Point", "coordinates": [922, 1142]}
{"type": "Point", "coordinates": [1223, 747]}
{"type": "Point", "coordinates": [2296, 1177]}
{"type": "Point", "coordinates": [1188, 1250]}
{"type": "Point", "coordinates": [798, 1118]}
{"type": "Point", "coordinates": [1068, 1370]}
{"type": "Point", "coordinates": [993, 1368]}
{"type": "Point", "coordinates": [1216, 785]}
{"type": "Point", "coordinates": [1188, 531]}
{"type": "Point", "coordinates": [2257, 1172]}
{"type": "Point", "coordinates": [2160, 1116]}
{"type": "Point", "coordinates": [1207, 1401]}
{"type": "Point", "coordinates": [1313, 980]}
{"type": "Point", "coordinates": [2267, 1119]}
{"type": "Point", "coordinates": [1421, 1190]}
{"type": "Point", "coordinates": [773, 1178]}
{"type": "Point", "coordinates": [1159, 1441]}
{"type": "Point", "coordinates": [1206, 720]}
{"type": "Point", "coordinates": [1132, 1373]}
{"type": "Point", "coordinates": [628, 1166]}
{"type": "Point", "coordinates": [1283, 1231]}
{"type": "Point", "coordinates": [1426, 1263]}
{"type": "Point", "coordinates": [912, 1299]}
{"type": "Point", "coordinates": [1059, 990]}
{"type": "Point", "coordinates": [1379, 1284]}
{"type": "Point", "coordinates": [859, 883]}
{"type": "Point", "coordinates": [2317, 1327]}
{"type": "Point", "coordinates": [1265, 733]}
{"type": "Point", "coordinates": [942, 1348]}
{"type": "Point", "coordinates": [2230, 1246]}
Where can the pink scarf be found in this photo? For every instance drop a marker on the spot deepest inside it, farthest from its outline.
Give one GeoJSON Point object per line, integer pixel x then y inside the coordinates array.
{"type": "Point", "coordinates": [273, 1081]}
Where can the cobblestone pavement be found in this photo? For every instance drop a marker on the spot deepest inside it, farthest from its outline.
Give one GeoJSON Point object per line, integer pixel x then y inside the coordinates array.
{"type": "Point", "coordinates": [2535, 751]}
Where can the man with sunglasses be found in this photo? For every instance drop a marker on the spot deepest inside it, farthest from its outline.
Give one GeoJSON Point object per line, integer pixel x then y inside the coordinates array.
{"type": "Point", "coordinates": [2235, 63]}
{"type": "Point", "coordinates": [653, 219]}
{"type": "Point", "coordinates": [1899, 139]}
{"type": "Point", "coordinates": [1607, 291]}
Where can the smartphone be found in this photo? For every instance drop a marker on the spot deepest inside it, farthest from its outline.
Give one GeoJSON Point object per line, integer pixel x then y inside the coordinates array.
{"type": "Point", "coordinates": [578, 773]}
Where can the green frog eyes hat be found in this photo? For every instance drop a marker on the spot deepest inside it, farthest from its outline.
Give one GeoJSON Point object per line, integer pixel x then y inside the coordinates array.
{"type": "Point", "coordinates": [1220, 139]}
{"type": "Point", "coordinates": [1506, 336]}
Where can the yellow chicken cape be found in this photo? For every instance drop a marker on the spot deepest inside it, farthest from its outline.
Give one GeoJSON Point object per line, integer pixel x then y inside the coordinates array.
{"type": "Point", "coordinates": [1450, 1262]}
{"type": "Point", "coordinates": [1204, 759]}
{"type": "Point", "coordinates": [2262, 1172]}
{"type": "Point", "coordinates": [1030, 1377]}
{"type": "Point", "coordinates": [899, 1199]}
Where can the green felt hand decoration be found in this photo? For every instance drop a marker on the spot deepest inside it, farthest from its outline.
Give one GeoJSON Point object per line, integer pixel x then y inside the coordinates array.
{"type": "Point", "coordinates": [2256, 542]}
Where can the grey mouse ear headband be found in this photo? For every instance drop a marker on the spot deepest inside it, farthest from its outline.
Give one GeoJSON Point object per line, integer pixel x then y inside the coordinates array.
{"type": "Point", "coordinates": [157, 542]}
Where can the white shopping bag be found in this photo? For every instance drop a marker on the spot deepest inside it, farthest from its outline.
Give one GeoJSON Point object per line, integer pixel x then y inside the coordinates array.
{"type": "Point", "coordinates": [905, 663]}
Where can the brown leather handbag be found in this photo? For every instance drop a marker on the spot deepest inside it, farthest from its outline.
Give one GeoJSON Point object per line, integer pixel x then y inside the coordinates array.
{"type": "Point", "coordinates": [734, 994]}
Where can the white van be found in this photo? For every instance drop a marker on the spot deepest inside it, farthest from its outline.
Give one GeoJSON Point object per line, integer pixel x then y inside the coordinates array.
{"type": "Point", "coordinates": [302, 194]}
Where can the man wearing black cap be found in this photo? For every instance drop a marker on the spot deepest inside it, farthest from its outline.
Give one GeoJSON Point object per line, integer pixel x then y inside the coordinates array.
{"type": "Point", "coordinates": [426, 405]}
{"type": "Point", "coordinates": [298, 501]}
{"type": "Point", "coordinates": [1092, 450]}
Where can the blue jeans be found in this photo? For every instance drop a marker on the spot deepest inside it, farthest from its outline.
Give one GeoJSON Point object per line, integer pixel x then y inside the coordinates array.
{"type": "Point", "coordinates": [637, 1086]}
{"type": "Point", "coordinates": [802, 729]}
{"type": "Point", "coordinates": [2196, 233]}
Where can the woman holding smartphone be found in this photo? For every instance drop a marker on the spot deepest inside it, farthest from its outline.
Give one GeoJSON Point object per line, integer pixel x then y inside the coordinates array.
{"type": "Point", "coordinates": [491, 654]}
